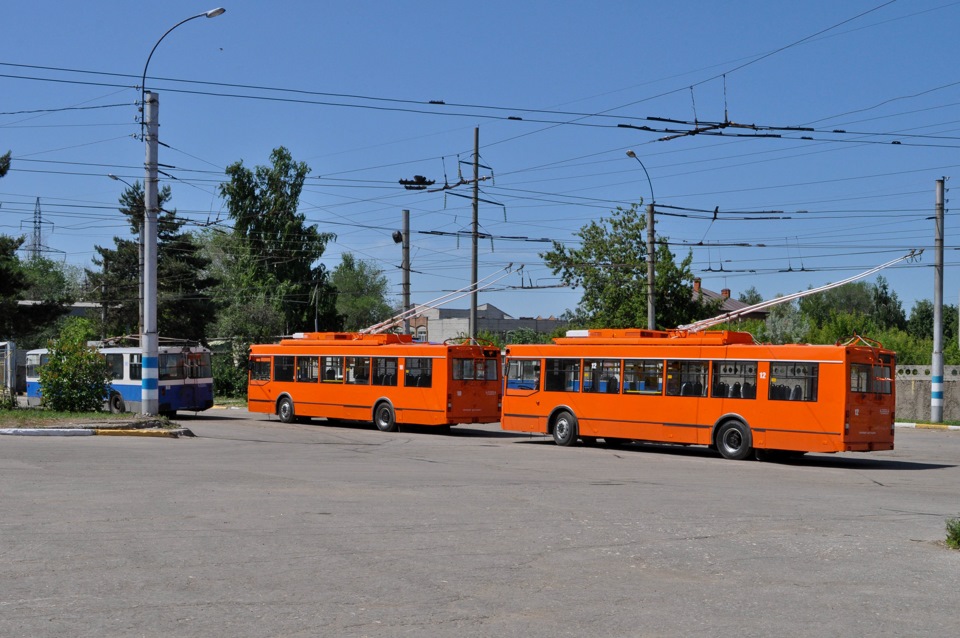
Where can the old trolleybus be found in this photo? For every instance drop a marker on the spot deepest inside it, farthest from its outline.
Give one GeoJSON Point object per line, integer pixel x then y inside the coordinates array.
{"type": "Point", "coordinates": [714, 388]}
{"type": "Point", "coordinates": [185, 377]}
{"type": "Point", "coordinates": [386, 378]}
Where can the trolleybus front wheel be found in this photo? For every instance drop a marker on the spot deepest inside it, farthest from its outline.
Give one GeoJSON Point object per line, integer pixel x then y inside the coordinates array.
{"type": "Point", "coordinates": [565, 428]}
{"type": "Point", "coordinates": [285, 410]}
{"type": "Point", "coordinates": [734, 441]}
{"type": "Point", "coordinates": [116, 403]}
{"type": "Point", "coordinates": [384, 417]}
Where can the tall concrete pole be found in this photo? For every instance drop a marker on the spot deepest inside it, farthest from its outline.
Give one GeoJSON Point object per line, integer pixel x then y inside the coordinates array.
{"type": "Point", "coordinates": [936, 387]}
{"type": "Point", "coordinates": [475, 232]}
{"type": "Point", "coordinates": [405, 286]}
{"type": "Point", "coordinates": [149, 339]}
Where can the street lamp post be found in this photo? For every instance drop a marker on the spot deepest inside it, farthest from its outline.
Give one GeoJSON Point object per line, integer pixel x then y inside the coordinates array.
{"type": "Point", "coordinates": [651, 253]}
{"type": "Point", "coordinates": [149, 339]}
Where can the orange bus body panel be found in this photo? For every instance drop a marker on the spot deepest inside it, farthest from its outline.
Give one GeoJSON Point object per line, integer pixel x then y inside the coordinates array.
{"type": "Point", "coordinates": [827, 416]}
{"type": "Point", "coordinates": [445, 401]}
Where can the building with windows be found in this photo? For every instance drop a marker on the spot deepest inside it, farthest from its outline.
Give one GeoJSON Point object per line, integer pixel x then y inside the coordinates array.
{"type": "Point", "coordinates": [440, 324]}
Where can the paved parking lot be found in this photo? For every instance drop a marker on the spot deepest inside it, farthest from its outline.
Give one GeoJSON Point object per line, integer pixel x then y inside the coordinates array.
{"type": "Point", "coordinates": [256, 528]}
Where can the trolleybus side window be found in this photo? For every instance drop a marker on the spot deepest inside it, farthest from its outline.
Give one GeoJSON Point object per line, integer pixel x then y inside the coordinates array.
{"type": "Point", "coordinates": [643, 376]}
{"type": "Point", "coordinates": [523, 374]}
{"type": "Point", "coordinates": [601, 376]}
{"type": "Point", "coordinates": [687, 378]}
{"type": "Point", "coordinates": [260, 369]}
{"type": "Point", "coordinates": [283, 368]}
{"type": "Point", "coordinates": [308, 369]}
{"type": "Point", "coordinates": [385, 371]}
{"type": "Point", "coordinates": [418, 372]}
{"type": "Point", "coordinates": [332, 369]}
{"type": "Point", "coordinates": [358, 370]}
{"type": "Point", "coordinates": [735, 379]}
{"type": "Point", "coordinates": [793, 381]}
{"type": "Point", "coordinates": [136, 366]}
{"type": "Point", "coordinates": [34, 361]}
{"type": "Point", "coordinates": [115, 364]}
{"type": "Point", "coordinates": [562, 375]}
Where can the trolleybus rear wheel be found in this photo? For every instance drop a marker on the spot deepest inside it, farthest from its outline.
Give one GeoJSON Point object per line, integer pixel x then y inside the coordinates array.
{"type": "Point", "coordinates": [734, 440]}
{"type": "Point", "coordinates": [565, 428]}
{"type": "Point", "coordinates": [285, 410]}
{"type": "Point", "coordinates": [384, 417]}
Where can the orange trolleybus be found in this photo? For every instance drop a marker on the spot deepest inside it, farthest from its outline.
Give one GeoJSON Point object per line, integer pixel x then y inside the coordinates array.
{"type": "Point", "coordinates": [386, 378]}
{"type": "Point", "coordinates": [714, 388]}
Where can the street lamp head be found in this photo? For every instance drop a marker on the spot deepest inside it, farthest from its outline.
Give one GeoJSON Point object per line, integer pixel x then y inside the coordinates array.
{"type": "Point", "coordinates": [213, 13]}
{"type": "Point", "coordinates": [113, 177]}
{"type": "Point", "coordinates": [630, 153]}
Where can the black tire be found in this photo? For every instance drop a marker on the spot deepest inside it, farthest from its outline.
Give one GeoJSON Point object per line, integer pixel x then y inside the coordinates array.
{"type": "Point", "coordinates": [565, 429]}
{"type": "Point", "coordinates": [117, 404]}
{"type": "Point", "coordinates": [384, 417]}
{"type": "Point", "coordinates": [285, 410]}
{"type": "Point", "coordinates": [734, 441]}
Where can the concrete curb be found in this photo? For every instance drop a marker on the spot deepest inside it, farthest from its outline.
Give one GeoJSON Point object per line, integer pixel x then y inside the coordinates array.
{"type": "Point", "coordinates": [171, 434]}
{"type": "Point", "coordinates": [929, 426]}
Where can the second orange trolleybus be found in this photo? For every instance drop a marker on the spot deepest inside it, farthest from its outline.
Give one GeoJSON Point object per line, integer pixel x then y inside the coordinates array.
{"type": "Point", "coordinates": [715, 388]}
{"type": "Point", "coordinates": [387, 378]}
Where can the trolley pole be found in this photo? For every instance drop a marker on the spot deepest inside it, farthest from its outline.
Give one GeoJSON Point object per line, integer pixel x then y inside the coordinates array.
{"type": "Point", "coordinates": [936, 387]}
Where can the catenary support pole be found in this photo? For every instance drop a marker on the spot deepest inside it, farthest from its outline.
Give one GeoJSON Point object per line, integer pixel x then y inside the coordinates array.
{"type": "Point", "coordinates": [149, 341]}
{"type": "Point", "coordinates": [475, 229]}
{"type": "Point", "coordinates": [405, 286]}
{"type": "Point", "coordinates": [936, 387]}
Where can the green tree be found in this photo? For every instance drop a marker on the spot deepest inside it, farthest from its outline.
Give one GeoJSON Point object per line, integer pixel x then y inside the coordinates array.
{"type": "Point", "coordinates": [271, 281]}
{"type": "Point", "coordinates": [887, 309]}
{"type": "Point", "coordinates": [853, 297]}
{"type": "Point", "coordinates": [361, 293]}
{"type": "Point", "coordinates": [610, 268]}
{"type": "Point", "coordinates": [55, 286]}
{"type": "Point", "coordinates": [750, 296]}
{"type": "Point", "coordinates": [920, 323]}
{"type": "Point", "coordinates": [275, 254]}
{"type": "Point", "coordinates": [786, 324]}
{"type": "Point", "coordinates": [184, 301]}
{"type": "Point", "coordinates": [20, 322]}
{"type": "Point", "coordinates": [4, 163]}
{"type": "Point", "coordinates": [75, 378]}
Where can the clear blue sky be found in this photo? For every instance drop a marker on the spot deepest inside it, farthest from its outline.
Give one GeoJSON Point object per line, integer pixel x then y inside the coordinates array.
{"type": "Point", "coordinates": [346, 87]}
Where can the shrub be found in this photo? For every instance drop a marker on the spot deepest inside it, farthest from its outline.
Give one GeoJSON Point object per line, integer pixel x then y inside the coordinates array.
{"type": "Point", "coordinates": [953, 533]}
{"type": "Point", "coordinates": [75, 378]}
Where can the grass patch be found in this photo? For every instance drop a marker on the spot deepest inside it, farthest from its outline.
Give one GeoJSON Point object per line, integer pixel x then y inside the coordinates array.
{"type": "Point", "coordinates": [41, 418]}
{"type": "Point", "coordinates": [231, 402]}
{"type": "Point", "coordinates": [953, 533]}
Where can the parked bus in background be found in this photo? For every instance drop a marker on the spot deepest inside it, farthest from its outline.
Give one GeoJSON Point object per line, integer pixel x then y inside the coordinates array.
{"type": "Point", "coordinates": [387, 378]}
{"type": "Point", "coordinates": [185, 378]}
{"type": "Point", "coordinates": [715, 388]}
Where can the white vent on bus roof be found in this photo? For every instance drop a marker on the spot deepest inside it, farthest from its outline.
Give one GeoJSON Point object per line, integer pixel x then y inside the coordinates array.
{"type": "Point", "coordinates": [299, 335]}
{"type": "Point", "coordinates": [578, 333]}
